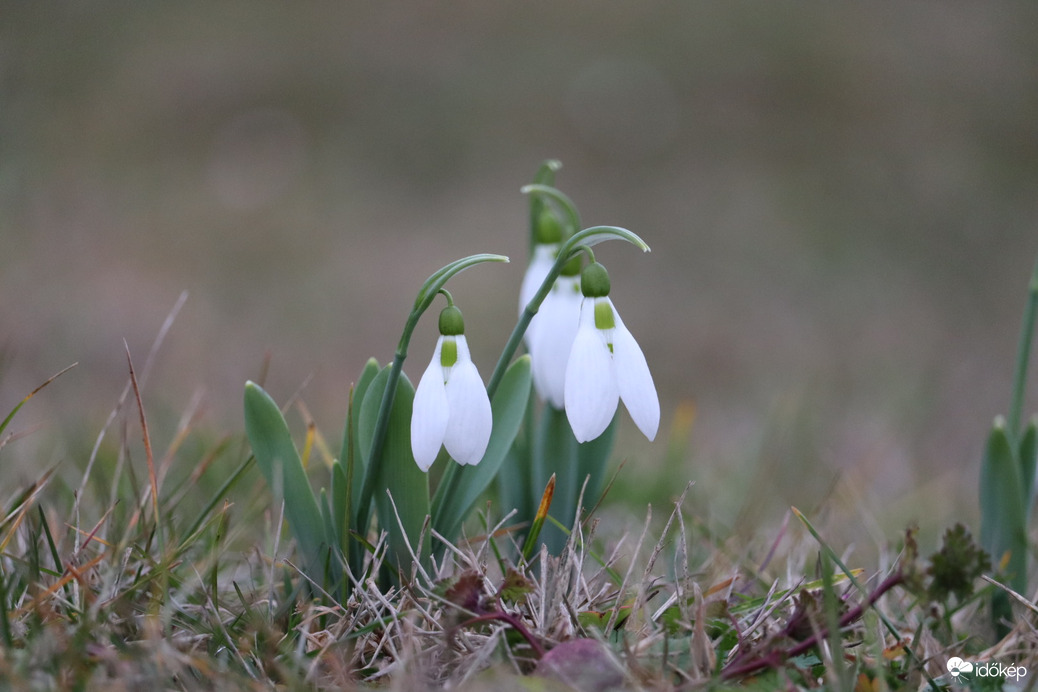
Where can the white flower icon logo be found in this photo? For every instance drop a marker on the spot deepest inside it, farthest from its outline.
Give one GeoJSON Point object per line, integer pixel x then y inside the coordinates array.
{"type": "Point", "coordinates": [956, 666]}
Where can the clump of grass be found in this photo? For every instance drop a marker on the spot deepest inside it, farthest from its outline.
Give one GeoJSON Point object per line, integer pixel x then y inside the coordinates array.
{"type": "Point", "coordinates": [174, 571]}
{"type": "Point", "coordinates": [125, 590]}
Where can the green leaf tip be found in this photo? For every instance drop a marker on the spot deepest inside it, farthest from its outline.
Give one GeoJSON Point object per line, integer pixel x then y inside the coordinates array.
{"type": "Point", "coordinates": [598, 234]}
{"type": "Point", "coordinates": [438, 278]}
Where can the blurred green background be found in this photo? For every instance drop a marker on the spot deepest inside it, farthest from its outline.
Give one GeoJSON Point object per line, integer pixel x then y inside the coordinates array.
{"type": "Point", "coordinates": [840, 200]}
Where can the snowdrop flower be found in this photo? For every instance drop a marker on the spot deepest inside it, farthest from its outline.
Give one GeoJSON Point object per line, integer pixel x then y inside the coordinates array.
{"type": "Point", "coordinates": [550, 345]}
{"type": "Point", "coordinates": [540, 264]}
{"type": "Point", "coordinates": [606, 365]}
{"type": "Point", "coordinates": [547, 238]}
{"type": "Point", "coordinates": [451, 407]}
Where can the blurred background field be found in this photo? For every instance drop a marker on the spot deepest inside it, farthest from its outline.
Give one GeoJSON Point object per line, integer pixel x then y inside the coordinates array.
{"type": "Point", "coordinates": [841, 201]}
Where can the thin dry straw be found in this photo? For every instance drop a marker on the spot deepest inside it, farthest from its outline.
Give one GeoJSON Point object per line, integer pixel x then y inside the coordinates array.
{"type": "Point", "coordinates": [152, 477]}
{"type": "Point", "coordinates": [145, 371]}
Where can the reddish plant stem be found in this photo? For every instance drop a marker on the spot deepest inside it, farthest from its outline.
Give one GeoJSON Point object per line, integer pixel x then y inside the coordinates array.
{"type": "Point", "coordinates": [515, 623]}
{"type": "Point", "coordinates": [773, 659]}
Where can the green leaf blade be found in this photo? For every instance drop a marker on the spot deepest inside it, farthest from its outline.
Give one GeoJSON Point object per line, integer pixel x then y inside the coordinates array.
{"type": "Point", "coordinates": [352, 449]}
{"type": "Point", "coordinates": [1003, 523]}
{"type": "Point", "coordinates": [398, 473]}
{"type": "Point", "coordinates": [282, 468]}
{"type": "Point", "coordinates": [463, 485]}
{"type": "Point", "coordinates": [439, 278]}
{"type": "Point", "coordinates": [556, 451]}
{"type": "Point", "coordinates": [1028, 460]}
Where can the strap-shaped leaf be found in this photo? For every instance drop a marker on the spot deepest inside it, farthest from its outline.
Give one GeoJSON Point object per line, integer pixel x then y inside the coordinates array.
{"type": "Point", "coordinates": [278, 460]}
{"type": "Point", "coordinates": [556, 451]}
{"type": "Point", "coordinates": [1028, 459]}
{"type": "Point", "coordinates": [340, 508]}
{"type": "Point", "coordinates": [351, 438]}
{"type": "Point", "coordinates": [398, 473]}
{"type": "Point", "coordinates": [593, 460]}
{"type": "Point", "coordinates": [1002, 523]}
{"type": "Point", "coordinates": [462, 485]}
{"type": "Point", "coordinates": [436, 281]}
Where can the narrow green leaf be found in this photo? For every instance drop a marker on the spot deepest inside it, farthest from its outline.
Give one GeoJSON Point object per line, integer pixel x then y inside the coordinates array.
{"type": "Point", "coordinates": [831, 604]}
{"type": "Point", "coordinates": [1028, 459]}
{"type": "Point", "coordinates": [436, 281]}
{"type": "Point", "coordinates": [331, 553]}
{"type": "Point", "coordinates": [463, 485]}
{"type": "Point", "coordinates": [538, 190]}
{"type": "Point", "coordinates": [1002, 522]}
{"type": "Point", "coordinates": [279, 462]}
{"type": "Point", "coordinates": [545, 176]}
{"type": "Point", "coordinates": [599, 234]}
{"type": "Point", "coordinates": [593, 461]}
{"type": "Point", "coordinates": [556, 453]}
{"type": "Point", "coordinates": [514, 479]}
{"type": "Point", "coordinates": [1023, 355]}
{"type": "Point", "coordinates": [351, 439]}
{"type": "Point", "coordinates": [325, 505]}
{"type": "Point", "coordinates": [10, 416]}
{"type": "Point", "coordinates": [398, 473]}
{"type": "Point", "coordinates": [340, 506]}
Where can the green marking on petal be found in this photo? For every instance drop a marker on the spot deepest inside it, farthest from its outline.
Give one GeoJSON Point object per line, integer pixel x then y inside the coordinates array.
{"type": "Point", "coordinates": [604, 316]}
{"type": "Point", "coordinates": [449, 353]}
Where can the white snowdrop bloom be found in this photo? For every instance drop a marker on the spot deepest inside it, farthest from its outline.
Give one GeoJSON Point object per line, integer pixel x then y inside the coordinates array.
{"type": "Point", "coordinates": [540, 264]}
{"type": "Point", "coordinates": [606, 365]}
{"type": "Point", "coordinates": [451, 406]}
{"type": "Point", "coordinates": [551, 344]}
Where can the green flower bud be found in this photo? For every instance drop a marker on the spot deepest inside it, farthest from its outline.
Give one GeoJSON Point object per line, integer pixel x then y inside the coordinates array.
{"type": "Point", "coordinates": [451, 322]}
{"type": "Point", "coordinates": [594, 281]}
{"type": "Point", "coordinates": [548, 229]}
{"type": "Point", "coordinates": [572, 268]}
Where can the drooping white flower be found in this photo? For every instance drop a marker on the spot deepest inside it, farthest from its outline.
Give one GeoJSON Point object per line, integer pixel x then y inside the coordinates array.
{"type": "Point", "coordinates": [551, 344]}
{"type": "Point", "coordinates": [540, 264]}
{"type": "Point", "coordinates": [606, 365]}
{"type": "Point", "coordinates": [451, 406]}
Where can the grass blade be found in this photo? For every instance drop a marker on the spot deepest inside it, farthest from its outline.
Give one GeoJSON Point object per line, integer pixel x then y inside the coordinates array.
{"type": "Point", "coordinates": [10, 416]}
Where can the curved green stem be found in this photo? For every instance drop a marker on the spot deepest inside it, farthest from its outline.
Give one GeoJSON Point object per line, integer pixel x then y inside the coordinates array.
{"type": "Point", "coordinates": [1022, 357]}
{"type": "Point", "coordinates": [432, 286]}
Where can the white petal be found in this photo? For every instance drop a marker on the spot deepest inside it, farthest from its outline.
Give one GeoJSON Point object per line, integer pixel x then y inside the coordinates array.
{"type": "Point", "coordinates": [429, 413]}
{"type": "Point", "coordinates": [551, 345]}
{"type": "Point", "coordinates": [540, 264]}
{"type": "Point", "coordinates": [471, 419]}
{"type": "Point", "coordinates": [635, 381]}
{"type": "Point", "coordinates": [591, 391]}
